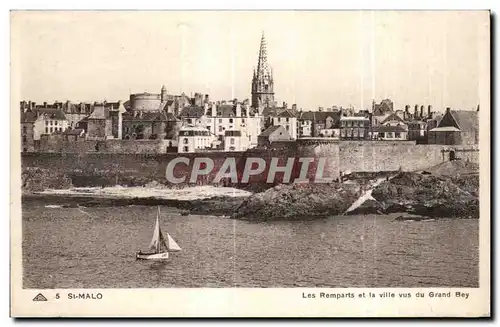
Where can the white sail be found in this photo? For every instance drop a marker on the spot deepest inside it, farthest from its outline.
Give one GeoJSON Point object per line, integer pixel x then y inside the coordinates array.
{"type": "Point", "coordinates": [158, 241]}
{"type": "Point", "coordinates": [172, 246]}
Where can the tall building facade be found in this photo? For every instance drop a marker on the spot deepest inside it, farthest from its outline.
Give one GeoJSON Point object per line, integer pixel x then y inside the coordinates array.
{"type": "Point", "coordinates": [262, 81]}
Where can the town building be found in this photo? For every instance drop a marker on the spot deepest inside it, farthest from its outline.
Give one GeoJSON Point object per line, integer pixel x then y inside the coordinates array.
{"type": "Point", "coordinates": [218, 118]}
{"type": "Point", "coordinates": [194, 139]}
{"type": "Point", "coordinates": [417, 131]}
{"type": "Point", "coordinates": [163, 101]}
{"type": "Point", "coordinates": [354, 127]}
{"type": "Point", "coordinates": [274, 134]}
{"type": "Point", "coordinates": [28, 120]}
{"type": "Point", "coordinates": [385, 106]}
{"type": "Point", "coordinates": [456, 127]}
{"type": "Point", "coordinates": [105, 121]}
{"type": "Point", "coordinates": [233, 141]}
{"type": "Point", "coordinates": [288, 120]}
{"type": "Point", "coordinates": [319, 124]}
{"type": "Point", "coordinates": [138, 125]}
{"type": "Point", "coordinates": [388, 133]}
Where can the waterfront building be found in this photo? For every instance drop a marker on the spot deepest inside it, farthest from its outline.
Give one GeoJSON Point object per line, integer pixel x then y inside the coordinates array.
{"type": "Point", "coordinates": [388, 133]}
{"type": "Point", "coordinates": [354, 127]}
{"type": "Point", "coordinates": [233, 141]}
{"type": "Point", "coordinates": [289, 121]}
{"type": "Point", "coordinates": [105, 121]}
{"type": "Point", "coordinates": [306, 124]}
{"type": "Point", "coordinates": [385, 107]}
{"type": "Point", "coordinates": [163, 101]}
{"type": "Point", "coordinates": [194, 139]}
{"type": "Point", "coordinates": [224, 116]}
{"type": "Point", "coordinates": [456, 127]}
{"type": "Point", "coordinates": [274, 134]}
{"type": "Point", "coordinates": [138, 125]}
{"type": "Point", "coordinates": [319, 124]}
{"type": "Point", "coordinates": [417, 131]}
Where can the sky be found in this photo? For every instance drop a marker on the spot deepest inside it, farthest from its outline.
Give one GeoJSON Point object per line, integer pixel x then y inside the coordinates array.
{"type": "Point", "coordinates": [319, 58]}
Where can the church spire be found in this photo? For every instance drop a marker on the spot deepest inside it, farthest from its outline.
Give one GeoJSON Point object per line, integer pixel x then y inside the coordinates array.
{"type": "Point", "coordinates": [262, 62]}
{"type": "Point", "coordinates": [262, 81]}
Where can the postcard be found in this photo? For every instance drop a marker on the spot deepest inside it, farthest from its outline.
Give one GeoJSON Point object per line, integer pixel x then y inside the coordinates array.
{"type": "Point", "coordinates": [250, 163]}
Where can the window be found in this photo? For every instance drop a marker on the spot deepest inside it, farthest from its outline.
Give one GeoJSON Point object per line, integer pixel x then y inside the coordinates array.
{"type": "Point", "coordinates": [230, 120]}
{"type": "Point", "coordinates": [397, 135]}
{"type": "Point", "coordinates": [208, 127]}
{"type": "Point", "coordinates": [220, 128]}
{"type": "Point", "coordinates": [24, 139]}
{"type": "Point", "coordinates": [51, 130]}
{"type": "Point", "coordinates": [51, 123]}
{"type": "Point", "coordinates": [232, 140]}
{"type": "Point", "coordinates": [46, 130]}
{"type": "Point", "coordinates": [361, 133]}
{"type": "Point", "coordinates": [287, 119]}
{"type": "Point", "coordinates": [46, 123]}
{"type": "Point", "coordinates": [55, 123]}
{"type": "Point", "coordinates": [185, 141]}
{"type": "Point", "coordinates": [287, 127]}
{"type": "Point", "coordinates": [243, 120]}
{"type": "Point", "coordinates": [24, 129]}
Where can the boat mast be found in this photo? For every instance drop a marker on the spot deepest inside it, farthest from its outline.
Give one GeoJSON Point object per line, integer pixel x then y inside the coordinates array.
{"type": "Point", "coordinates": [158, 244]}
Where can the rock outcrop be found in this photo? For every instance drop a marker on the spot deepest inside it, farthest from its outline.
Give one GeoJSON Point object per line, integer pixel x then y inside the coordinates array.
{"type": "Point", "coordinates": [406, 192]}
{"type": "Point", "coordinates": [39, 179]}
{"type": "Point", "coordinates": [298, 201]}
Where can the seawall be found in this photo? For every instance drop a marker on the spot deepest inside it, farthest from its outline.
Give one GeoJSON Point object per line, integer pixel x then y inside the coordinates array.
{"type": "Point", "coordinates": [108, 168]}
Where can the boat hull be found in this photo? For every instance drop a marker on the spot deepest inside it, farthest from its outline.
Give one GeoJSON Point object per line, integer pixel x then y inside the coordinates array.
{"type": "Point", "coordinates": [152, 256]}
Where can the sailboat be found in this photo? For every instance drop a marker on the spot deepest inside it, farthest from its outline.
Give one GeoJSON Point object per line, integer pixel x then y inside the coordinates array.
{"type": "Point", "coordinates": [160, 246]}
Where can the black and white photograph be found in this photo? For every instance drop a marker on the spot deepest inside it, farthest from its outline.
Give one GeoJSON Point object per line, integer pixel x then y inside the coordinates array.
{"type": "Point", "coordinates": [327, 150]}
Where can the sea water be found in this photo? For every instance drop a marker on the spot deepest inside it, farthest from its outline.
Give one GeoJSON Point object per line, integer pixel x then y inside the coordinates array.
{"type": "Point", "coordinates": [95, 248]}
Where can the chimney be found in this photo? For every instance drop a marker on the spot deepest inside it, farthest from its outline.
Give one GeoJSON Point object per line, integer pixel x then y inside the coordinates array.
{"type": "Point", "coordinates": [205, 108]}
{"type": "Point", "coordinates": [294, 107]}
{"type": "Point", "coordinates": [448, 110]}
{"type": "Point", "coordinates": [207, 98]}
{"type": "Point", "coordinates": [214, 110]}
{"type": "Point", "coordinates": [247, 108]}
{"type": "Point", "coordinates": [284, 105]}
{"type": "Point", "coordinates": [429, 111]}
{"type": "Point", "coordinates": [415, 114]}
{"type": "Point", "coordinates": [421, 111]}
{"type": "Point", "coordinates": [45, 104]}
{"type": "Point", "coordinates": [478, 108]}
{"type": "Point", "coordinates": [238, 110]}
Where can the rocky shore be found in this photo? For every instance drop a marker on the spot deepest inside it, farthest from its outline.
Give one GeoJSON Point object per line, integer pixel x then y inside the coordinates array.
{"type": "Point", "coordinates": [447, 190]}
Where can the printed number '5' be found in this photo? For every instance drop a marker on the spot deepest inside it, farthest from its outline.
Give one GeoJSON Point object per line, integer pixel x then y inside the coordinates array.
{"type": "Point", "coordinates": [57, 296]}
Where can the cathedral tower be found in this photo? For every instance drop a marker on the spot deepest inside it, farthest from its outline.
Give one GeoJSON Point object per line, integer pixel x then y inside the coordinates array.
{"type": "Point", "coordinates": [262, 81]}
